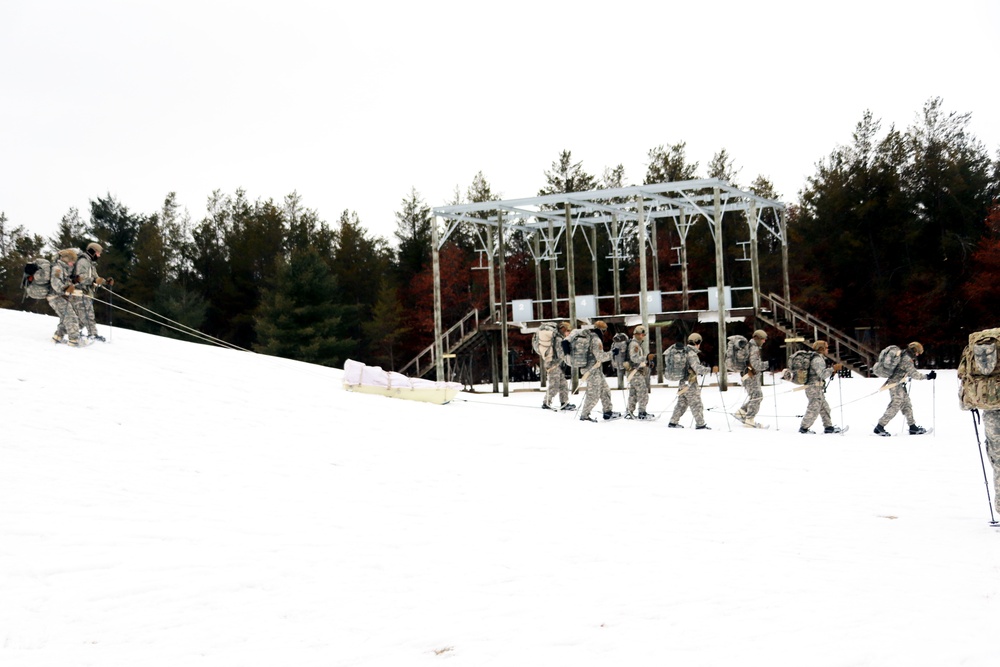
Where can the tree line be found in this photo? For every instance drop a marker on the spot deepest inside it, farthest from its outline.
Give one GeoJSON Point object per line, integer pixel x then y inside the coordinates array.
{"type": "Point", "coordinates": [897, 231]}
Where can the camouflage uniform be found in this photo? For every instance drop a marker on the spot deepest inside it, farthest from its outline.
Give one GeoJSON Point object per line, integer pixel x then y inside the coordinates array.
{"type": "Point", "coordinates": [555, 380]}
{"type": "Point", "coordinates": [900, 399]}
{"type": "Point", "coordinates": [597, 385]}
{"type": "Point", "coordinates": [86, 271]}
{"type": "Point", "coordinates": [689, 391]}
{"type": "Point", "coordinates": [816, 393]}
{"type": "Point", "coordinates": [638, 386]}
{"type": "Point", "coordinates": [991, 427]}
{"type": "Point", "coordinates": [751, 382]}
{"type": "Point", "coordinates": [61, 301]}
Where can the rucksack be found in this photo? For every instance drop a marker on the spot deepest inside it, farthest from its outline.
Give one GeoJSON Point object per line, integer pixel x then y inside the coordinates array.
{"type": "Point", "coordinates": [799, 367]}
{"type": "Point", "coordinates": [888, 359]}
{"type": "Point", "coordinates": [675, 362]}
{"type": "Point", "coordinates": [620, 343]}
{"type": "Point", "coordinates": [579, 349]}
{"type": "Point", "coordinates": [979, 372]}
{"type": "Point", "coordinates": [541, 341]}
{"type": "Point", "coordinates": [737, 353]}
{"type": "Point", "coordinates": [35, 281]}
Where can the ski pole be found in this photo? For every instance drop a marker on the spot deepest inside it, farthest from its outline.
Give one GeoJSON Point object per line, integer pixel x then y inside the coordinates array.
{"type": "Point", "coordinates": [986, 481]}
{"type": "Point", "coordinates": [774, 393]}
{"type": "Point", "coordinates": [722, 399]}
{"type": "Point", "coordinates": [111, 313]}
{"type": "Point", "coordinates": [840, 389]}
{"type": "Point", "coordinates": [934, 405]}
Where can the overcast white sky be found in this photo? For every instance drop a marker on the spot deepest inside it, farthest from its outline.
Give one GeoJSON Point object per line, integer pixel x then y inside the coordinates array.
{"type": "Point", "coordinates": [353, 104]}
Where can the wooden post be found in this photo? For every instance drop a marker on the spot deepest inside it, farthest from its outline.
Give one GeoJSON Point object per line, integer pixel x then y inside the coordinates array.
{"type": "Point", "coordinates": [502, 260]}
{"type": "Point", "coordinates": [438, 329]}
{"type": "Point", "coordinates": [553, 285]}
{"type": "Point", "coordinates": [720, 280]}
{"type": "Point", "coordinates": [754, 262]}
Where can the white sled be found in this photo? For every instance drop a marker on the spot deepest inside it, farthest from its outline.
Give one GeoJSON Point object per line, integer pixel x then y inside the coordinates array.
{"type": "Point", "coordinates": [373, 380]}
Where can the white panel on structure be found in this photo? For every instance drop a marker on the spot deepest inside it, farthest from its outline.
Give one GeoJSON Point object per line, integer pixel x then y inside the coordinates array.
{"type": "Point", "coordinates": [521, 310]}
{"type": "Point", "coordinates": [654, 302]}
{"type": "Point", "coordinates": [586, 307]}
{"type": "Point", "coordinates": [713, 297]}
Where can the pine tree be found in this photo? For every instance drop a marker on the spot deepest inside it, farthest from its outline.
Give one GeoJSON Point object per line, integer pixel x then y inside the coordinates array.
{"type": "Point", "coordinates": [385, 328]}
{"type": "Point", "coordinates": [300, 317]}
{"type": "Point", "coordinates": [669, 165]}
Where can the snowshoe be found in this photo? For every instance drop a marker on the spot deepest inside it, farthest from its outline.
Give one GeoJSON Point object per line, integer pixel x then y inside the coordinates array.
{"type": "Point", "coordinates": [832, 429]}
{"type": "Point", "coordinates": [588, 419]}
{"type": "Point", "coordinates": [673, 425]}
{"type": "Point", "coordinates": [568, 406]}
{"type": "Point", "coordinates": [703, 427]}
{"type": "Point", "coordinates": [917, 430]}
{"type": "Point", "coordinates": [97, 338]}
{"type": "Point", "coordinates": [546, 406]}
{"type": "Point", "coordinates": [880, 430]}
{"type": "Point", "coordinates": [805, 430]}
{"type": "Point", "coordinates": [608, 416]}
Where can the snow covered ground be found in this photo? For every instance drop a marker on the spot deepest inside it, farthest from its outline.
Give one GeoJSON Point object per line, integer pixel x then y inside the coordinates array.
{"type": "Point", "coordinates": [167, 503]}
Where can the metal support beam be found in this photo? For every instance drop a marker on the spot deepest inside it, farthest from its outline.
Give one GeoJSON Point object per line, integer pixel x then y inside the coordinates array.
{"type": "Point", "coordinates": [720, 286]}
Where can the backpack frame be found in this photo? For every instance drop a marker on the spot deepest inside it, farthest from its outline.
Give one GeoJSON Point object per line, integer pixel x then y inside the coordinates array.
{"type": "Point", "coordinates": [979, 372]}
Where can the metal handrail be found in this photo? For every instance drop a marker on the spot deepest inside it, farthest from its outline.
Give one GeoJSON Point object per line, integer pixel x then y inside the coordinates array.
{"type": "Point", "coordinates": [446, 343]}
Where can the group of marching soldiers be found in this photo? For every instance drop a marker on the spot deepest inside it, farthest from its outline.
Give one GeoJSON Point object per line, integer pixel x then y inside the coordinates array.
{"type": "Point", "coordinates": [72, 283]}
{"type": "Point", "coordinates": [641, 364]}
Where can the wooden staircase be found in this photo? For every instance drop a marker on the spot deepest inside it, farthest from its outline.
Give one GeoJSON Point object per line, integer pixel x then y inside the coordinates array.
{"type": "Point", "coordinates": [463, 336]}
{"type": "Point", "coordinates": [797, 323]}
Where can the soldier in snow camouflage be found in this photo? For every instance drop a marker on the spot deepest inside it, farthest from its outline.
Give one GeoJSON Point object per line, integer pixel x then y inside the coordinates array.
{"type": "Point", "coordinates": [991, 426]}
{"type": "Point", "coordinates": [638, 385]}
{"type": "Point", "coordinates": [556, 384]}
{"type": "Point", "coordinates": [597, 385]}
{"type": "Point", "coordinates": [62, 292]}
{"type": "Point", "coordinates": [689, 391]}
{"type": "Point", "coordinates": [816, 390]}
{"type": "Point", "coordinates": [751, 379]}
{"type": "Point", "coordinates": [899, 398]}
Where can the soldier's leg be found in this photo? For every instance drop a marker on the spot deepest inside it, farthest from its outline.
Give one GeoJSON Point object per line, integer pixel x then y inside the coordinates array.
{"type": "Point", "coordinates": [754, 396]}
{"type": "Point", "coordinates": [906, 407]}
{"type": "Point", "coordinates": [697, 407]}
{"type": "Point", "coordinates": [605, 394]}
{"type": "Point", "coordinates": [815, 395]}
{"type": "Point", "coordinates": [894, 404]}
{"type": "Point", "coordinates": [551, 387]}
{"type": "Point", "coordinates": [681, 406]}
{"type": "Point", "coordinates": [589, 399]}
{"type": "Point", "coordinates": [642, 394]}
{"type": "Point", "coordinates": [58, 304]}
{"type": "Point", "coordinates": [824, 412]}
{"type": "Point", "coordinates": [991, 427]}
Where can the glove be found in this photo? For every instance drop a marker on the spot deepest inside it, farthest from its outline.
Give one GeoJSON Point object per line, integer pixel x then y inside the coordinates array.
{"type": "Point", "coordinates": [614, 352]}
{"type": "Point", "coordinates": [715, 369]}
{"type": "Point", "coordinates": [69, 288]}
{"type": "Point", "coordinates": [932, 375]}
{"type": "Point", "coordinates": [750, 371]}
{"type": "Point", "coordinates": [111, 282]}
{"type": "Point", "coordinates": [98, 281]}
{"type": "Point", "coordinates": [76, 279]}
{"type": "Point", "coordinates": [837, 368]}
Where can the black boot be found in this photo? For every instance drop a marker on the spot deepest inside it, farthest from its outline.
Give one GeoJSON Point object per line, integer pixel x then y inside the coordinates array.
{"type": "Point", "coordinates": [917, 430]}
{"type": "Point", "coordinates": [880, 430]}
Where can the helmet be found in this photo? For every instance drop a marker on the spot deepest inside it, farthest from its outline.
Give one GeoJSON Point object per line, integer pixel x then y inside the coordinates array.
{"type": "Point", "coordinates": [821, 344]}
{"type": "Point", "coordinates": [638, 330]}
{"type": "Point", "coordinates": [915, 348]}
{"type": "Point", "coordinates": [759, 334]}
{"type": "Point", "coordinates": [694, 339]}
{"type": "Point", "coordinates": [94, 248]}
{"type": "Point", "coordinates": [566, 326]}
{"type": "Point", "coordinates": [599, 324]}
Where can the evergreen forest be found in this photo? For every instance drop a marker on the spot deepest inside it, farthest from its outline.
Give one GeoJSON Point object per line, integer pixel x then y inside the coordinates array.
{"type": "Point", "coordinates": [897, 232]}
